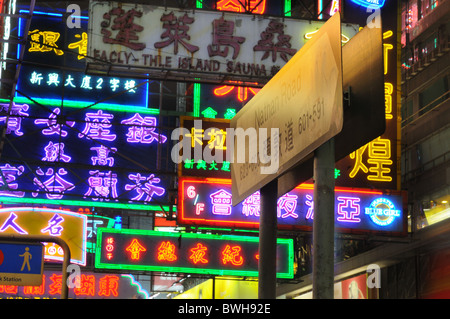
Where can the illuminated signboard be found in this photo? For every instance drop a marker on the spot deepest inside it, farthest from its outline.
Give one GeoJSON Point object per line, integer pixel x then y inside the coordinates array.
{"type": "Point", "coordinates": [207, 202]}
{"type": "Point", "coordinates": [92, 286]}
{"type": "Point", "coordinates": [370, 3]}
{"type": "Point", "coordinates": [68, 226]}
{"type": "Point", "coordinates": [211, 137]}
{"type": "Point", "coordinates": [55, 45]}
{"type": "Point", "coordinates": [214, 47]}
{"type": "Point", "coordinates": [376, 164]}
{"type": "Point", "coordinates": [146, 250]}
{"type": "Point", "coordinates": [78, 155]}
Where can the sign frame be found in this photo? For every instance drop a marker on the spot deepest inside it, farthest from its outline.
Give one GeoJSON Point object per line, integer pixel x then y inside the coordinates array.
{"type": "Point", "coordinates": [100, 263]}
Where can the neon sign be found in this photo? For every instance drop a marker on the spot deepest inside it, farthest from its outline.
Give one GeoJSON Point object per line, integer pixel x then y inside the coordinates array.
{"type": "Point", "coordinates": [370, 3]}
{"type": "Point", "coordinates": [207, 202]}
{"type": "Point", "coordinates": [108, 144]}
{"type": "Point", "coordinates": [54, 44]}
{"type": "Point", "coordinates": [382, 211]}
{"type": "Point", "coordinates": [146, 250]}
{"type": "Point", "coordinates": [92, 286]}
{"type": "Point", "coordinates": [69, 226]}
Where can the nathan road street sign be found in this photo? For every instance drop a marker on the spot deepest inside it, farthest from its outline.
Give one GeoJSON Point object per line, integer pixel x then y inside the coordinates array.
{"type": "Point", "coordinates": [304, 101]}
{"type": "Point", "coordinates": [21, 264]}
{"type": "Point", "coordinates": [364, 111]}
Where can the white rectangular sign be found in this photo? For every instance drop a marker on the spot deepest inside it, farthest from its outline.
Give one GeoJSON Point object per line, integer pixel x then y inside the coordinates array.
{"type": "Point", "coordinates": [300, 108]}
{"type": "Point", "coordinates": [184, 44]}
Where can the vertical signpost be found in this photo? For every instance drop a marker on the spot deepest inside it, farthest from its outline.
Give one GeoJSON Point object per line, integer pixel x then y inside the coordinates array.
{"type": "Point", "coordinates": [302, 108]}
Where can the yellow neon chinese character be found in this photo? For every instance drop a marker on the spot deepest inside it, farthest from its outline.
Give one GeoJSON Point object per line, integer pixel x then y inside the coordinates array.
{"type": "Point", "coordinates": [359, 165]}
{"type": "Point", "coordinates": [217, 139]}
{"type": "Point", "coordinates": [386, 48]}
{"type": "Point", "coordinates": [47, 44]}
{"type": "Point", "coordinates": [388, 90]}
{"type": "Point", "coordinates": [380, 155]}
{"type": "Point", "coordinates": [196, 136]}
{"type": "Point", "coordinates": [81, 45]}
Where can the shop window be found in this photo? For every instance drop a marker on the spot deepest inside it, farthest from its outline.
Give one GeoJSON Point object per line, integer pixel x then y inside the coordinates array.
{"type": "Point", "coordinates": [433, 95]}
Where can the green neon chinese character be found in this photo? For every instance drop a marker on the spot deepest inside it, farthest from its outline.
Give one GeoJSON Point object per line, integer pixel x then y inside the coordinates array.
{"type": "Point", "coordinates": [337, 173]}
{"type": "Point", "coordinates": [209, 113]}
{"type": "Point", "coordinates": [189, 163]}
{"type": "Point", "coordinates": [213, 166]}
{"type": "Point", "coordinates": [201, 164]}
{"type": "Point", "coordinates": [225, 166]}
{"type": "Point", "coordinates": [230, 114]}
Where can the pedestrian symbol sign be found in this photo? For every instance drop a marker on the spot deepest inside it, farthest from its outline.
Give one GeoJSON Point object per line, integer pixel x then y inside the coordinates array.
{"type": "Point", "coordinates": [21, 264]}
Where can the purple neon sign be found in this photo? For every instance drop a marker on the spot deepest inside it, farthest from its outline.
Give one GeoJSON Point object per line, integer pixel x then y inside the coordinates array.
{"type": "Point", "coordinates": [94, 155]}
{"type": "Point", "coordinates": [208, 203]}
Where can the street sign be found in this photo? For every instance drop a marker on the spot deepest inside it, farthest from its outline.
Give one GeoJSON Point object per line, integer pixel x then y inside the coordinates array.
{"type": "Point", "coordinates": [21, 264]}
{"type": "Point", "coordinates": [364, 115]}
{"type": "Point", "coordinates": [304, 100]}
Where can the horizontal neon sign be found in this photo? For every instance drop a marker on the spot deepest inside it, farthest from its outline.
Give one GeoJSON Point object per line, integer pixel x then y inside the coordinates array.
{"type": "Point", "coordinates": [145, 250]}
{"type": "Point", "coordinates": [370, 3]}
{"type": "Point", "coordinates": [207, 202]}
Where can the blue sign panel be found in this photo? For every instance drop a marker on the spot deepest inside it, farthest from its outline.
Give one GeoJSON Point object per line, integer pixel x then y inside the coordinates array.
{"type": "Point", "coordinates": [58, 54]}
{"type": "Point", "coordinates": [21, 264]}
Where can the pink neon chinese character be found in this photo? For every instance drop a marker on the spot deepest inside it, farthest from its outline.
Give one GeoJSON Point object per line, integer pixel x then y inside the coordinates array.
{"type": "Point", "coordinates": [55, 152]}
{"type": "Point", "coordinates": [55, 186]}
{"type": "Point", "coordinates": [288, 203]}
{"type": "Point", "coordinates": [10, 222]}
{"type": "Point", "coordinates": [10, 172]}
{"type": "Point", "coordinates": [221, 201]}
{"type": "Point", "coordinates": [15, 119]}
{"type": "Point", "coordinates": [142, 130]}
{"type": "Point", "coordinates": [176, 32]}
{"type": "Point", "coordinates": [310, 203]}
{"type": "Point", "coordinates": [102, 184]}
{"type": "Point", "coordinates": [251, 205]}
{"type": "Point", "coordinates": [144, 188]}
{"type": "Point", "coordinates": [102, 155]}
{"type": "Point", "coordinates": [53, 123]}
{"type": "Point", "coordinates": [54, 228]}
{"type": "Point", "coordinates": [97, 126]}
{"type": "Point", "coordinates": [348, 209]}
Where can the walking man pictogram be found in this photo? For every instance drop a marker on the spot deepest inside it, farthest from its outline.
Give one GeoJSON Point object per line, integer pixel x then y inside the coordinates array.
{"type": "Point", "coordinates": [26, 259]}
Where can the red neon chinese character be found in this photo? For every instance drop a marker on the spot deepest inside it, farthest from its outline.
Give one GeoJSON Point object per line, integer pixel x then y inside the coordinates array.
{"type": "Point", "coordinates": [198, 253]}
{"type": "Point", "coordinates": [87, 286]}
{"type": "Point", "coordinates": [126, 29]}
{"type": "Point", "coordinates": [242, 92]}
{"type": "Point", "coordinates": [250, 6]}
{"type": "Point", "coordinates": [166, 251]}
{"type": "Point", "coordinates": [176, 32]}
{"type": "Point", "coordinates": [35, 290]}
{"type": "Point", "coordinates": [55, 286]}
{"type": "Point", "coordinates": [8, 289]}
{"type": "Point", "coordinates": [108, 285]}
{"type": "Point", "coordinates": [232, 255]}
{"type": "Point", "coordinates": [135, 249]}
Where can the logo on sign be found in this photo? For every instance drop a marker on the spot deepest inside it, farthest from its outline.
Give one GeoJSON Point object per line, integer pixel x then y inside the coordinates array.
{"type": "Point", "coordinates": [382, 211]}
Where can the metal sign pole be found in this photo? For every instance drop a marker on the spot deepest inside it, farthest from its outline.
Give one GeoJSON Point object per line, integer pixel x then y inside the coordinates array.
{"type": "Point", "coordinates": [323, 224]}
{"type": "Point", "coordinates": [267, 266]}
